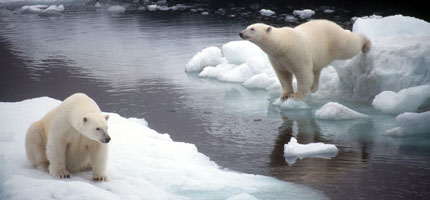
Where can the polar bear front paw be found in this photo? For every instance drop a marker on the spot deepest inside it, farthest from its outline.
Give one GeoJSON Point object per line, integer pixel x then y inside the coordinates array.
{"type": "Point", "coordinates": [100, 178]}
{"type": "Point", "coordinates": [285, 96]}
{"type": "Point", "coordinates": [297, 96]}
{"type": "Point", "coordinates": [60, 173]}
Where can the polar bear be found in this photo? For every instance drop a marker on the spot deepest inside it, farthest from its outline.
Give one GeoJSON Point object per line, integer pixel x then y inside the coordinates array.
{"type": "Point", "coordinates": [71, 137]}
{"type": "Point", "coordinates": [304, 51]}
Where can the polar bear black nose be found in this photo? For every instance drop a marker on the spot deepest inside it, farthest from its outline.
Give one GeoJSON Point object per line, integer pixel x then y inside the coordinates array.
{"type": "Point", "coordinates": [241, 34]}
{"type": "Point", "coordinates": [107, 140]}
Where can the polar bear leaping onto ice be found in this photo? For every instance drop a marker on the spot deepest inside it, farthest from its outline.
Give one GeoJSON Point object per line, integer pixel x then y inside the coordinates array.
{"type": "Point", "coordinates": [71, 137]}
{"type": "Point", "coordinates": [304, 51]}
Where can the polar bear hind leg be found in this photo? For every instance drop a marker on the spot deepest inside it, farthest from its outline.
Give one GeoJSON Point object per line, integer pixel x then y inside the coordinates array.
{"type": "Point", "coordinates": [35, 145]}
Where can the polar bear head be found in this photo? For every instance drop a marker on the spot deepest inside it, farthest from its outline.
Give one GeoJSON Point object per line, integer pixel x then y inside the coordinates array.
{"type": "Point", "coordinates": [256, 33]}
{"type": "Point", "coordinates": [94, 126]}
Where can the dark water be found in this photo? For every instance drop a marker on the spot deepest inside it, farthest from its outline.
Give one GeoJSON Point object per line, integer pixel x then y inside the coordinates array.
{"type": "Point", "coordinates": [133, 64]}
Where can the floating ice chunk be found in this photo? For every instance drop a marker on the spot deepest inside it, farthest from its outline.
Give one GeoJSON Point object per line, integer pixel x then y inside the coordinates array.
{"type": "Point", "coordinates": [411, 123]}
{"type": "Point", "coordinates": [33, 8]}
{"type": "Point", "coordinates": [116, 9]}
{"type": "Point", "coordinates": [406, 100]}
{"type": "Point", "coordinates": [336, 111]}
{"type": "Point", "coordinates": [304, 14]}
{"type": "Point", "coordinates": [260, 81]}
{"type": "Point", "coordinates": [205, 13]}
{"type": "Point", "coordinates": [55, 8]}
{"type": "Point", "coordinates": [238, 74]}
{"type": "Point", "coordinates": [238, 52]}
{"type": "Point", "coordinates": [294, 150]}
{"type": "Point", "coordinates": [210, 56]}
{"type": "Point", "coordinates": [290, 18]}
{"type": "Point", "coordinates": [143, 164]}
{"type": "Point", "coordinates": [243, 196]}
{"type": "Point", "coordinates": [414, 122]}
{"type": "Point", "coordinates": [291, 104]}
{"type": "Point", "coordinates": [329, 11]}
{"type": "Point", "coordinates": [152, 7]}
{"type": "Point", "coordinates": [98, 5]}
{"type": "Point", "coordinates": [393, 26]}
{"type": "Point", "coordinates": [43, 10]}
{"type": "Point", "coordinates": [267, 12]}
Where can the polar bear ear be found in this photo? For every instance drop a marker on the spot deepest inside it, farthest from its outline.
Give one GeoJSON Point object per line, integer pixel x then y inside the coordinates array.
{"type": "Point", "coordinates": [269, 29]}
{"type": "Point", "coordinates": [106, 117]}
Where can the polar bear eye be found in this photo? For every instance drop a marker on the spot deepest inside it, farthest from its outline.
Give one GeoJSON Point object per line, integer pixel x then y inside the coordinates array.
{"type": "Point", "coordinates": [97, 129]}
{"type": "Point", "coordinates": [252, 29]}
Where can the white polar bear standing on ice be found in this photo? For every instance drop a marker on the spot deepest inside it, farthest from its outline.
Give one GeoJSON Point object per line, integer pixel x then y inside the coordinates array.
{"type": "Point", "coordinates": [71, 137]}
{"type": "Point", "coordinates": [304, 51]}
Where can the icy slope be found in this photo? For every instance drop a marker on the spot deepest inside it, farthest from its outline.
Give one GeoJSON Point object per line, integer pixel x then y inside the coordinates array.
{"type": "Point", "coordinates": [143, 164]}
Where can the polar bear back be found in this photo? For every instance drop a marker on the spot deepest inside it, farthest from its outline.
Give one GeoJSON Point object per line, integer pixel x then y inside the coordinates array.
{"type": "Point", "coordinates": [327, 41]}
{"type": "Point", "coordinates": [76, 106]}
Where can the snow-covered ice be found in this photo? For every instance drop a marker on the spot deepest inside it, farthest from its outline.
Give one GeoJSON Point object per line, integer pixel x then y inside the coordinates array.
{"type": "Point", "coordinates": [395, 25]}
{"type": "Point", "coordinates": [336, 111]}
{"type": "Point", "coordinates": [291, 104]}
{"type": "Point", "coordinates": [398, 59]}
{"type": "Point", "coordinates": [411, 123]}
{"type": "Point", "coordinates": [304, 14]}
{"type": "Point", "coordinates": [406, 100]}
{"type": "Point", "coordinates": [43, 9]}
{"type": "Point", "coordinates": [294, 150]}
{"type": "Point", "coordinates": [143, 164]}
{"type": "Point", "coordinates": [210, 56]}
{"type": "Point", "coordinates": [267, 12]}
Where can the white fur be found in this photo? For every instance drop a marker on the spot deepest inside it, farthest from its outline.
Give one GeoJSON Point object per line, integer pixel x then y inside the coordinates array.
{"type": "Point", "coordinates": [71, 137]}
{"type": "Point", "coordinates": [304, 51]}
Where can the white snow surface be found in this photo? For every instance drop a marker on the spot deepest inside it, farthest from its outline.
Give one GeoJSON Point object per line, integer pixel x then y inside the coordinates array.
{"type": "Point", "coordinates": [267, 12]}
{"type": "Point", "coordinates": [304, 14]}
{"type": "Point", "coordinates": [411, 123]}
{"type": "Point", "coordinates": [294, 150]}
{"type": "Point", "coordinates": [336, 111]}
{"type": "Point", "coordinates": [406, 100]}
{"type": "Point", "coordinates": [143, 164]}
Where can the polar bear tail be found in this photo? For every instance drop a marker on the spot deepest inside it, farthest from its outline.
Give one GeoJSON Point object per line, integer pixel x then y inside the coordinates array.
{"type": "Point", "coordinates": [366, 44]}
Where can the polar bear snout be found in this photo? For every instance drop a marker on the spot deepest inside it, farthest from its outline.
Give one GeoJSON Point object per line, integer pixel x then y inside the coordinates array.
{"type": "Point", "coordinates": [242, 35]}
{"type": "Point", "coordinates": [105, 140]}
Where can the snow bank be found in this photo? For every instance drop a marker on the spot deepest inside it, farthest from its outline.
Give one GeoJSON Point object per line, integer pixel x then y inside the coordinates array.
{"type": "Point", "coordinates": [294, 150]}
{"type": "Point", "coordinates": [336, 111]}
{"type": "Point", "coordinates": [398, 57]}
{"type": "Point", "coordinates": [393, 26]}
{"type": "Point", "coordinates": [143, 164]}
{"type": "Point", "coordinates": [267, 12]}
{"type": "Point", "coordinates": [411, 123]}
{"type": "Point", "coordinates": [116, 9]}
{"type": "Point", "coordinates": [304, 14]}
{"type": "Point", "coordinates": [406, 100]}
